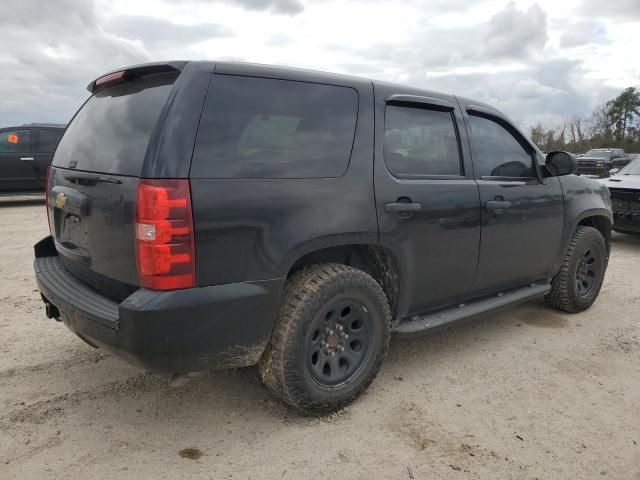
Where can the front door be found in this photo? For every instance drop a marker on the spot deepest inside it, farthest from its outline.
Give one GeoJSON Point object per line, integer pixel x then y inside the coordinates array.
{"type": "Point", "coordinates": [522, 213]}
{"type": "Point", "coordinates": [426, 198]}
{"type": "Point", "coordinates": [17, 167]}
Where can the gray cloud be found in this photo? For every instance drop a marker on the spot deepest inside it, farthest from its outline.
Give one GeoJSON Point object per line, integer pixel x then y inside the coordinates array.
{"type": "Point", "coordinates": [283, 7]}
{"type": "Point", "coordinates": [548, 90]}
{"type": "Point", "coordinates": [289, 7]}
{"type": "Point", "coordinates": [510, 34]}
{"type": "Point", "coordinates": [628, 10]}
{"type": "Point", "coordinates": [55, 50]}
{"type": "Point", "coordinates": [583, 33]}
{"type": "Point", "coordinates": [159, 33]}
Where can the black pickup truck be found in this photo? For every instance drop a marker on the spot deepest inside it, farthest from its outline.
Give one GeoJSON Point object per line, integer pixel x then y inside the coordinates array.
{"type": "Point", "coordinates": [217, 214]}
{"type": "Point", "coordinates": [25, 155]}
{"type": "Point", "coordinates": [599, 161]}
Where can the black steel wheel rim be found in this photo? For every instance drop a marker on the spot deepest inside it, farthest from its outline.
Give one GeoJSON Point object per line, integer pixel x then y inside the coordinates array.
{"type": "Point", "coordinates": [338, 341]}
{"type": "Point", "coordinates": [587, 273]}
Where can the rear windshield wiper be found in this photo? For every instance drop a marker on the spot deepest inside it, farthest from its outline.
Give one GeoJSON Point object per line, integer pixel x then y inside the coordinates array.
{"type": "Point", "coordinates": [89, 179]}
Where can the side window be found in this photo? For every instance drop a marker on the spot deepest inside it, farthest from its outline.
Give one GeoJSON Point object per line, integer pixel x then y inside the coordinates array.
{"type": "Point", "coordinates": [15, 141]}
{"type": "Point", "coordinates": [267, 128]}
{"type": "Point", "coordinates": [420, 142]}
{"type": "Point", "coordinates": [48, 140]}
{"type": "Point", "coordinates": [496, 152]}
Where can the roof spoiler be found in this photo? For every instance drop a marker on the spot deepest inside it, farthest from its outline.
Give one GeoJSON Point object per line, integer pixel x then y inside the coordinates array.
{"type": "Point", "coordinates": [135, 71]}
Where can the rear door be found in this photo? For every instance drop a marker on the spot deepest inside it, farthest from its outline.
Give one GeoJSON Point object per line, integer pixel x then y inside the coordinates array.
{"type": "Point", "coordinates": [94, 176]}
{"type": "Point", "coordinates": [426, 198]}
{"type": "Point", "coordinates": [522, 213]}
{"type": "Point", "coordinates": [17, 166]}
{"type": "Point", "coordinates": [46, 140]}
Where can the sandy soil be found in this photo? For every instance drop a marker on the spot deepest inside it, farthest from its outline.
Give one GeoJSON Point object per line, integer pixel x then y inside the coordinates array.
{"type": "Point", "coordinates": [529, 393]}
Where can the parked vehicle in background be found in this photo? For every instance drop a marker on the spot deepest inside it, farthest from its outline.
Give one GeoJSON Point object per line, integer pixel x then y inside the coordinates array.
{"type": "Point", "coordinates": [25, 154]}
{"type": "Point", "coordinates": [217, 214]}
{"type": "Point", "coordinates": [599, 161]}
{"type": "Point", "coordinates": [625, 198]}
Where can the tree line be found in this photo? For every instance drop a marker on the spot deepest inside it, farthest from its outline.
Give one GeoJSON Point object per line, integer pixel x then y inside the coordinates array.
{"type": "Point", "coordinates": [616, 124]}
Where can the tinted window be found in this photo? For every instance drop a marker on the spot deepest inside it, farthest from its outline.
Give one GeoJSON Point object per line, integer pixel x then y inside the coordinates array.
{"type": "Point", "coordinates": [420, 142]}
{"type": "Point", "coordinates": [15, 141]}
{"type": "Point", "coordinates": [111, 132]}
{"type": "Point", "coordinates": [265, 128]}
{"type": "Point", "coordinates": [496, 152]}
{"type": "Point", "coordinates": [48, 140]}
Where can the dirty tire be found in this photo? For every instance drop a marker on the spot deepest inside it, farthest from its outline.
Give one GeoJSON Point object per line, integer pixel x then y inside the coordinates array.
{"type": "Point", "coordinates": [317, 294]}
{"type": "Point", "coordinates": [565, 294]}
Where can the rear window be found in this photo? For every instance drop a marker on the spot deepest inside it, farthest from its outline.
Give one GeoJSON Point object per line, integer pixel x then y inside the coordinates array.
{"type": "Point", "coordinates": [111, 131]}
{"type": "Point", "coordinates": [266, 128]}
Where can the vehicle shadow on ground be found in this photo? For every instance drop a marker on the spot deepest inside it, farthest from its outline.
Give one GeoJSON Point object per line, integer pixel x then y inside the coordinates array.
{"type": "Point", "coordinates": [233, 398]}
{"type": "Point", "coordinates": [20, 200]}
{"type": "Point", "coordinates": [624, 239]}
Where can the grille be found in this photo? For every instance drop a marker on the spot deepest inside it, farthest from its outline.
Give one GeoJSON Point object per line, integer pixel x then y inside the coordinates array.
{"type": "Point", "coordinates": [623, 199]}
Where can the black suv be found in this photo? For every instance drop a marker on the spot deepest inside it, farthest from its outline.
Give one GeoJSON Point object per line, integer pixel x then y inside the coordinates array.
{"type": "Point", "coordinates": [25, 155]}
{"type": "Point", "coordinates": [215, 215]}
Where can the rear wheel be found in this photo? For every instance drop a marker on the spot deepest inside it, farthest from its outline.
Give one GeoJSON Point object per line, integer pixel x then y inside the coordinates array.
{"type": "Point", "coordinates": [578, 283]}
{"type": "Point", "coordinates": [330, 338]}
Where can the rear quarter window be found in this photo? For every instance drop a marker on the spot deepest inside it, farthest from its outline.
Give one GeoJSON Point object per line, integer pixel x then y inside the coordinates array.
{"type": "Point", "coordinates": [268, 128]}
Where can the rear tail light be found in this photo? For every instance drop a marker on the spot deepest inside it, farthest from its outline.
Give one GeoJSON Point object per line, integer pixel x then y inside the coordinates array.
{"type": "Point", "coordinates": [46, 195]}
{"type": "Point", "coordinates": [165, 249]}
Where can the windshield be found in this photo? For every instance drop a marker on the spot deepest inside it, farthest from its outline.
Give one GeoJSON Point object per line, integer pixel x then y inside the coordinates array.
{"type": "Point", "coordinates": [111, 131]}
{"type": "Point", "coordinates": [632, 169]}
{"type": "Point", "coordinates": [598, 153]}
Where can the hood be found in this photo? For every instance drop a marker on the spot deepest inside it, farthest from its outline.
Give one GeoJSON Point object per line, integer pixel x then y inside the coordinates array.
{"type": "Point", "coordinates": [622, 181]}
{"type": "Point", "coordinates": [593, 159]}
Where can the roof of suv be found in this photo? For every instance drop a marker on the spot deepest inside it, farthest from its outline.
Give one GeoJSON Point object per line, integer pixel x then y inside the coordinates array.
{"type": "Point", "coordinates": [274, 71]}
{"type": "Point", "coordinates": [44, 125]}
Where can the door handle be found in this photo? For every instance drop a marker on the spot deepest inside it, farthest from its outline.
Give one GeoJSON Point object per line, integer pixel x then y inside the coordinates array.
{"type": "Point", "coordinates": [402, 207]}
{"type": "Point", "coordinates": [498, 205]}
{"type": "Point", "coordinates": [26, 159]}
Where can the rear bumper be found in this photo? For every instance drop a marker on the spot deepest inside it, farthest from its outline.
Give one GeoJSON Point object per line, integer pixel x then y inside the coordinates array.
{"type": "Point", "coordinates": [194, 329]}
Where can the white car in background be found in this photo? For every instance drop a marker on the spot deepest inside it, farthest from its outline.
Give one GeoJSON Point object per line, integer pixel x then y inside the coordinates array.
{"type": "Point", "coordinates": [624, 186]}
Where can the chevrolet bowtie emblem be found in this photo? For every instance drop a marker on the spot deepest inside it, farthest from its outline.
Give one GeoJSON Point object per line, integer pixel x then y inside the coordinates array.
{"type": "Point", "coordinates": [61, 200]}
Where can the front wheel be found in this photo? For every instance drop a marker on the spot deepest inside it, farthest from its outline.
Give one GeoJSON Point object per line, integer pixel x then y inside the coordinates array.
{"type": "Point", "coordinates": [578, 283]}
{"type": "Point", "coordinates": [329, 340]}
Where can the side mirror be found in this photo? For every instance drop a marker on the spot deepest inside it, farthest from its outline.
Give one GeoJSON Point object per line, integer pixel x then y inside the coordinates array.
{"type": "Point", "coordinates": [613, 171]}
{"type": "Point", "coordinates": [561, 163]}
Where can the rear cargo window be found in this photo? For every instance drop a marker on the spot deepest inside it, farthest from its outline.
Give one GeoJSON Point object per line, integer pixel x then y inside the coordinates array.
{"type": "Point", "coordinates": [266, 128]}
{"type": "Point", "coordinates": [111, 131]}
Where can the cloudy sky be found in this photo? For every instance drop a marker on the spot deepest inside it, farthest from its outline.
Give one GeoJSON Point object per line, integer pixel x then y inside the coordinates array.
{"type": "Point", "coordinates": [541, 60]}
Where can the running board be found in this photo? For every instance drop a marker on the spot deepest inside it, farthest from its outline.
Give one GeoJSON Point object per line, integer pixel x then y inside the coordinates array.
{"type": "Point", "coordinates": [421, 325]}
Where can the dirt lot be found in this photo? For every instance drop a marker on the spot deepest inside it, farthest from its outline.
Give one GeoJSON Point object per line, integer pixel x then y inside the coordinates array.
{"type": "Point", "coordinates": [528, 393]}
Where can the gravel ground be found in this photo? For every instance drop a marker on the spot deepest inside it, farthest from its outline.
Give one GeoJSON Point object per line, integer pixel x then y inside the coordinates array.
{"type": "Point", "coordinates": [528, 393]}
